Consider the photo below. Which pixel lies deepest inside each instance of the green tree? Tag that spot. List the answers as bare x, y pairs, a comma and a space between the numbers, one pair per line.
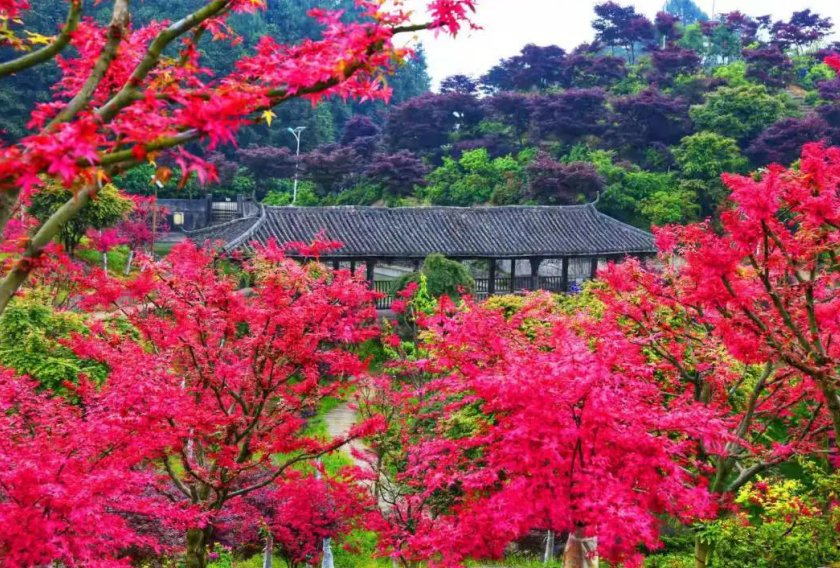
677, 205
735, 74
282, 190
694, 39
706, 155
105, 209
30, 343
444, 277
741, 112
702, 158
638, 194
473, 179
686, 10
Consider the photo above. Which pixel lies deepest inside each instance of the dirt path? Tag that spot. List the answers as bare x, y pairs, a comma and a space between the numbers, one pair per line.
339, 421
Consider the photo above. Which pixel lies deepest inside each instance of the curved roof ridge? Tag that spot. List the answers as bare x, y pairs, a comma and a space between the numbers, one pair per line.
212, 228
245, 237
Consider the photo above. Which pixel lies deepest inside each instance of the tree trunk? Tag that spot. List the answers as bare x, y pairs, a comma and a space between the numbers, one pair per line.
196, 556
268, 553
581, 552
129, 261
327, 560
549, 547
702, 552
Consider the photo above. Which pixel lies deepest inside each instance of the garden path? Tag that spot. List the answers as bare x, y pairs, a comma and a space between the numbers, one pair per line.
339, 421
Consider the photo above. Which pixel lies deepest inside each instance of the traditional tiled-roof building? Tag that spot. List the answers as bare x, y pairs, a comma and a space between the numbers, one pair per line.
577, 236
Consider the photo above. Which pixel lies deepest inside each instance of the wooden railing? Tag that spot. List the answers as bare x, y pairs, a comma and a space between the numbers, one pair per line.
502, 286
384, 287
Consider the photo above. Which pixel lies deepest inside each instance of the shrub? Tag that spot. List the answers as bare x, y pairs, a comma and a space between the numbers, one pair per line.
782, 523
30, 343
444, 277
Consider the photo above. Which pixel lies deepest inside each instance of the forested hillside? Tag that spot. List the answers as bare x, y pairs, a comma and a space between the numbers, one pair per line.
647, 115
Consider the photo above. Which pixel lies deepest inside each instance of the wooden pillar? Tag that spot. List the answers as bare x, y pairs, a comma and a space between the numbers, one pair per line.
535, 272
593, 267
336, 265
491, 273
416, 266
353, 267
370, 266
512, 275
565, 274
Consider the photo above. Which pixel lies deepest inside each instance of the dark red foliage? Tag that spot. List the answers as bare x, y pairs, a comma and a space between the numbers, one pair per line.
535, 67
514, 109
667, 26
832, 49
585, 71
460, 84
331, 168
553, 183
650, 117
831, 114
618, 26
782, 142
829, 90
675, 60
769, 65
572, 114
423, 124
803, 29
397, 173
359, 126
747, 28
268, 161
225, 168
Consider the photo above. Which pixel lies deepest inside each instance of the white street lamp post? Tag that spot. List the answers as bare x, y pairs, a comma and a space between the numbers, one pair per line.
296, 132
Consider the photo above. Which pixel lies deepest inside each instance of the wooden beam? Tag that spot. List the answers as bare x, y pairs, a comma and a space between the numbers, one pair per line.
491, 273
535, 272
513, 276
370, 267
565, 274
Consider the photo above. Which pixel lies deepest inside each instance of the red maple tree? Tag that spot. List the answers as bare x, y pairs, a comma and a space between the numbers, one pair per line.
514, 424
120, 100
746, 316
204, 404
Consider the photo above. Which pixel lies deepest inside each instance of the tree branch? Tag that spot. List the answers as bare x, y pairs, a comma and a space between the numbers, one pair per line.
45, 234
117, 29
8, 204
125, 96
49, 51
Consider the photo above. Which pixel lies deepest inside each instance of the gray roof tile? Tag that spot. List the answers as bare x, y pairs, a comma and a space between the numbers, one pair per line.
415, 232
